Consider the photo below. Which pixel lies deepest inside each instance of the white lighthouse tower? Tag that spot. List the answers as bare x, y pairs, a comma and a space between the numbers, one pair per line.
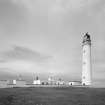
86, 60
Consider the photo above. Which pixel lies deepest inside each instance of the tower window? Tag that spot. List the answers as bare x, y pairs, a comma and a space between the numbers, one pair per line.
83, 77
84, 51
84, 63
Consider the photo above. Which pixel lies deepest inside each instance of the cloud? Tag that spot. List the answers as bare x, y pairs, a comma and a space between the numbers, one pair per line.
33, 5
23, 53
55, 5
48, 7
74, 5
49, 12
12, 18
20, 59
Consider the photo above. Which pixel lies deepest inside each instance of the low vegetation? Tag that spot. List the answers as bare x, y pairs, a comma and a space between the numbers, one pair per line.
52, 96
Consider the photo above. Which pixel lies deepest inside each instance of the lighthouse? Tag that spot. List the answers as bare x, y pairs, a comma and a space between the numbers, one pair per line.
86, 60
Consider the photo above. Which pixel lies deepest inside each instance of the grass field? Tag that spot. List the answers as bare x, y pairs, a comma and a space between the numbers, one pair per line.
52, 96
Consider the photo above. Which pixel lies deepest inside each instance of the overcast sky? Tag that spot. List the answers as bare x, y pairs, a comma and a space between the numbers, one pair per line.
45, 36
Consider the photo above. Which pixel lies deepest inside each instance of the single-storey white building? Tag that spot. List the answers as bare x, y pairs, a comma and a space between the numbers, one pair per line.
3, 83
37, 82
76, 83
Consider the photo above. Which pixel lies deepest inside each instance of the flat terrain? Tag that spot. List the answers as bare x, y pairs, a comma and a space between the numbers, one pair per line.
52, 96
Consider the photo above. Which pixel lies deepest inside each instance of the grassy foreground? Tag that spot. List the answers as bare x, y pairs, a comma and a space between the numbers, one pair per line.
52, 96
